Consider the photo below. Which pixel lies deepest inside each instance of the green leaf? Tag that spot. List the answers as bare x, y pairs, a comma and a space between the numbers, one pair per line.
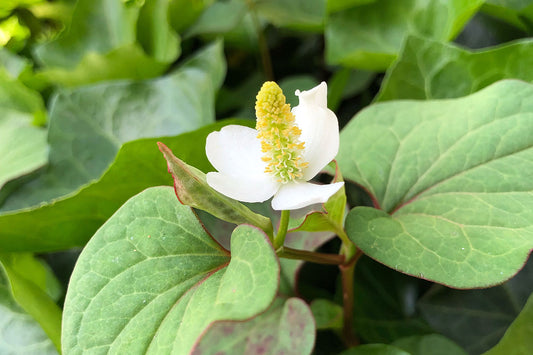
331, 217
71, 220
518, 339
20, 333
338, 5
290, 268
220, 17
451, 180
429, 69
516, 12
105, 40
154, 32
306, 15
192, 190
89, 124
16, 96
477, 319
374, 349
183, 13
347, 82
370, 36
245, 36
15, 33
97, 26
126, 62
9, 5
28, 279
23, 147
155, 280
285, 328
328, 315
384, 303
15, 67
13, 64
233, 21
434, 344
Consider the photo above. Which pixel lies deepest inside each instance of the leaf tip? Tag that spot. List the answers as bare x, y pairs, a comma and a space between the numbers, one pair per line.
162, 147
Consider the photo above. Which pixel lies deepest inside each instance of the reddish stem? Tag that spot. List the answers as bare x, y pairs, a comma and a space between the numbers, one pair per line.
347, 275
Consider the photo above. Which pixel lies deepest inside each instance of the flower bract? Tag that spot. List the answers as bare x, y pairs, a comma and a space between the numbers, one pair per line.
279, 157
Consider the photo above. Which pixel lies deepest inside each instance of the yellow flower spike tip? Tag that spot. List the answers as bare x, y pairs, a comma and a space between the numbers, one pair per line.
278, 158
280, 137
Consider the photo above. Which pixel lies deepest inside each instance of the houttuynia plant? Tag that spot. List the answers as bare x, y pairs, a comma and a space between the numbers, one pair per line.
329, 177
161, 269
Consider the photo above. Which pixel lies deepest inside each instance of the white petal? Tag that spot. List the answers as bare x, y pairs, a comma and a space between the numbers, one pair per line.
296, 195
320, 129
243, 188
235, 150
316, 96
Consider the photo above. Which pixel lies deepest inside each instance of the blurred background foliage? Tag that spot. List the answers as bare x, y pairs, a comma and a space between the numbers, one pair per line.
88, 86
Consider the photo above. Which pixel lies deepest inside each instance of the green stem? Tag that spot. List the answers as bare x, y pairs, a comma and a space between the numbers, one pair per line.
279, 239
314, 257
345, 240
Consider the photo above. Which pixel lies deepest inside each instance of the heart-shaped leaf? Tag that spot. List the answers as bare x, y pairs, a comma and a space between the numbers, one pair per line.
428, 69
154, 279
452, 182
285, 328
370, 36
89, 124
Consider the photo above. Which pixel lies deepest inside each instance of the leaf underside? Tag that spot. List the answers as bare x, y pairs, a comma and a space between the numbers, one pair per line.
286, 328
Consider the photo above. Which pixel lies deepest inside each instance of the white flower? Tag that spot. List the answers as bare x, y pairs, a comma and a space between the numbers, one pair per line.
282, 155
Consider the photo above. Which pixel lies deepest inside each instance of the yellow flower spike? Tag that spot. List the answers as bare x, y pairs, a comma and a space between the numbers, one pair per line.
279, 135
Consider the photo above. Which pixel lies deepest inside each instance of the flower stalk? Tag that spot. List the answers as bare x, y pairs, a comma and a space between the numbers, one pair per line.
279, 239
